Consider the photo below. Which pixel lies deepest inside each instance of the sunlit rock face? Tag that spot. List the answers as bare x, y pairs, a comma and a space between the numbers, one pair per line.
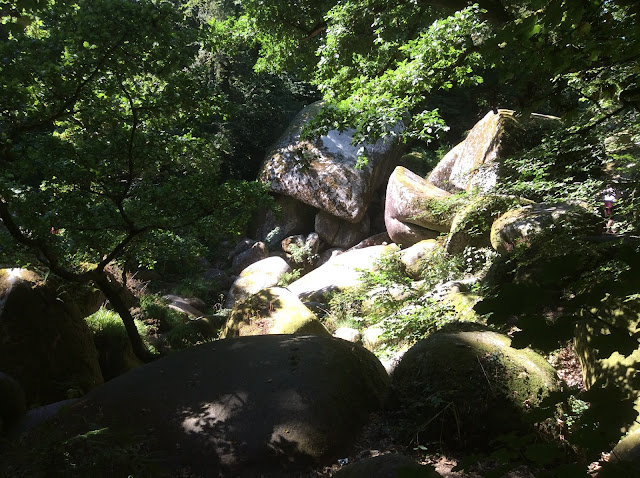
258, 276
323, 173
474, 163
412, 212
275, 310
244, 406
339, 273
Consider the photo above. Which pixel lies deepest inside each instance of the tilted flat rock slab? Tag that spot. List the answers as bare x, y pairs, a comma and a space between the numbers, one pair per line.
473, 163
409, 206
338, 273
323, 173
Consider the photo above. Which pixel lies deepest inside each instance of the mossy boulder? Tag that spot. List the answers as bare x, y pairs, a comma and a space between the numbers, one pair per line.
241, 407
624, 459
599, 365
461, 297
115, 353
322, 173
523, 224
387, 466
46, 344
412, 257
474, 164
471, 226
605, 343
272, 311
465, 385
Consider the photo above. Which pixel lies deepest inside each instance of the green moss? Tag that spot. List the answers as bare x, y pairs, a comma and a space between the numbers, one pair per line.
272, 311
468, 387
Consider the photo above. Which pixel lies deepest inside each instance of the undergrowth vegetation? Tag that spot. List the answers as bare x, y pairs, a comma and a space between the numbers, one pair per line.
405, 308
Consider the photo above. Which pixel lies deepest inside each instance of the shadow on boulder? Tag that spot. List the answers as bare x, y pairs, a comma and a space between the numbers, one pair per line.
236, 407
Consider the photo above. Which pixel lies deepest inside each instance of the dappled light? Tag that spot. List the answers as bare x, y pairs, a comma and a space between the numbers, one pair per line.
271, 239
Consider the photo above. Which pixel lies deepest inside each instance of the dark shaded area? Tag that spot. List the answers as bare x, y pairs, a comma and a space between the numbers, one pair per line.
232, 407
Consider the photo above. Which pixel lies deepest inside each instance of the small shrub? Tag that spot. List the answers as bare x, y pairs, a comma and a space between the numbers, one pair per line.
302, 254
289, 277
389, 298
108, 324
154, 307
186, 335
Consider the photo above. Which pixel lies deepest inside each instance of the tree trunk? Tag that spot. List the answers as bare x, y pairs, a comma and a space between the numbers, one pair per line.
113, 296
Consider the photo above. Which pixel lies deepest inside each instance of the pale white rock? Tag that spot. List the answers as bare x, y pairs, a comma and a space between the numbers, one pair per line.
259, 275
340, 272
323, 173
347, 333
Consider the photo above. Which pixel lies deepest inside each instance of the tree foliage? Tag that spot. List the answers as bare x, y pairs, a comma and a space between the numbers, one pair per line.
105, 136
376, 61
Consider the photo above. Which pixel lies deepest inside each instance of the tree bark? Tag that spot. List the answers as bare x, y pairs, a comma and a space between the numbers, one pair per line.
113, 296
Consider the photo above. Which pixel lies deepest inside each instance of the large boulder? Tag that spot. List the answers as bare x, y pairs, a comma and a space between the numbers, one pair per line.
466, 387
624, 459
474, 163
415, 210
616, 320
243, 407
337, 232
272, 311
46, 344
258, 276
523, 224
323, 173
340, 272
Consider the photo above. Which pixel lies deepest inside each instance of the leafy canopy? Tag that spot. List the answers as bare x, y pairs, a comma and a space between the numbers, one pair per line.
103, 133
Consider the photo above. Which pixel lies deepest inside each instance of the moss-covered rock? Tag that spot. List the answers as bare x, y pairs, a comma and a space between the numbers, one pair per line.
12, 401
46, 344
462, 300
525, 223
471, 226
466, 386
624, 459
413, 256
609, 355
272, 311
474, 163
